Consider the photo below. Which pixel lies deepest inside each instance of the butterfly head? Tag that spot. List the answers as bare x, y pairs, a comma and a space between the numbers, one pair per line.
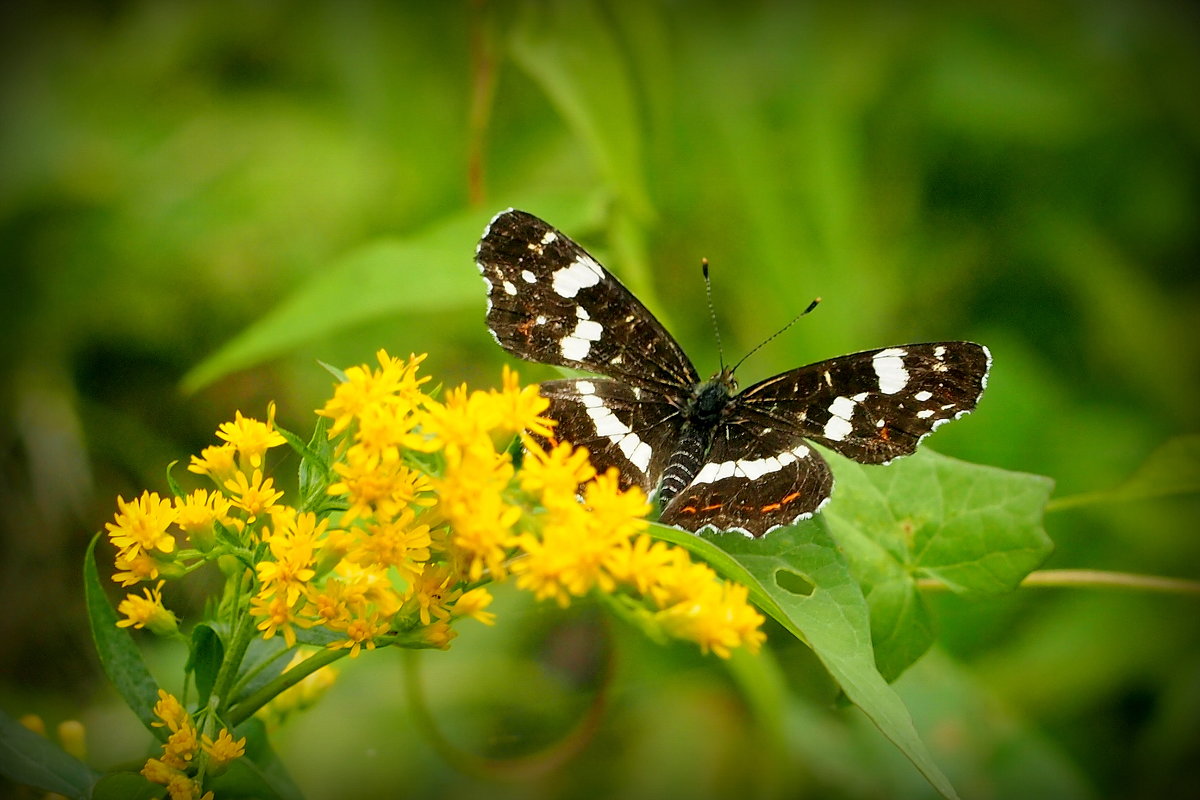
710, 398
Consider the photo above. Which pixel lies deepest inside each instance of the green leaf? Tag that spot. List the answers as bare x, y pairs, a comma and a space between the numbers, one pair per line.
976, 529
260, 774
315, 472
119, 655
429, 271
1172, 469
818, 601
32, 760
204, 660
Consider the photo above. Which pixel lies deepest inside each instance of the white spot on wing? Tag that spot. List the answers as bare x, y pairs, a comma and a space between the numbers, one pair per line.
578, 343
926, 414
922, 396
842, 407
579, 274
509, 288
528, 276
549, 237
889, 368
837, 429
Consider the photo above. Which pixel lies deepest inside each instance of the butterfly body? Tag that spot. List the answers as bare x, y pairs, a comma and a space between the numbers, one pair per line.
714, 457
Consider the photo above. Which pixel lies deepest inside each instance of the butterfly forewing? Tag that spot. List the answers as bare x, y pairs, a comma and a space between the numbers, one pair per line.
551, 302
876, 405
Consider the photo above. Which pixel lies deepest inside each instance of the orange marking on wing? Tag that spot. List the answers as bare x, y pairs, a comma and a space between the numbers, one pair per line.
789, 499
770, 507
713, 507
884, 433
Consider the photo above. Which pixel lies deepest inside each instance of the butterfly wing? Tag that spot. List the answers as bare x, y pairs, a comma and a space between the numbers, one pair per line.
621, 426
876, 405
754, 480
549, 301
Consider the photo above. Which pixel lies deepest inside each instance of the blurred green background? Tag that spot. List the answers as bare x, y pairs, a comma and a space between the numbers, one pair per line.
199, 201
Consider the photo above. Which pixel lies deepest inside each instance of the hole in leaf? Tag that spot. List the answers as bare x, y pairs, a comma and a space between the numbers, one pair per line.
794, 582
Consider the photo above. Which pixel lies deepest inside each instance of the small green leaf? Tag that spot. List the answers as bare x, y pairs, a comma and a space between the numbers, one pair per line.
119, 655
1172, 469
315, 472
32, 760
204, 660
832, 618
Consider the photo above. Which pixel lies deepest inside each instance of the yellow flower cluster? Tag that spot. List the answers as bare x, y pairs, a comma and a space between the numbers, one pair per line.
185, 754
422, 507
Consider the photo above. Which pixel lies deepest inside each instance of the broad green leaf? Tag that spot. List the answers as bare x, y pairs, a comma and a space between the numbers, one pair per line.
32, 760
119, 655
976, 529
809, 590
204, 660
429, 271
1173, 468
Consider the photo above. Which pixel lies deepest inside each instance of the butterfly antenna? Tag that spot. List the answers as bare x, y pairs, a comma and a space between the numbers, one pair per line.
816, 301
712, 313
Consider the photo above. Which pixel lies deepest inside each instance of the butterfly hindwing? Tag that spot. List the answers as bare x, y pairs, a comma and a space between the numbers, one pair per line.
551, 302
876, 405
620, 425
753, 480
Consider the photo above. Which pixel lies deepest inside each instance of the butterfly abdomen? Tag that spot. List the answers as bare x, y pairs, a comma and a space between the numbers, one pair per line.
684, 463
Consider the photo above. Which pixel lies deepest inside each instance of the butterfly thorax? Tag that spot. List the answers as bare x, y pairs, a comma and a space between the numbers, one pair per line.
704, 411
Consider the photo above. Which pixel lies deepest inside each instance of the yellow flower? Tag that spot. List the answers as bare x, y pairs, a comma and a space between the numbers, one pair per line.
218, 462
555, 474
222, 751
397, 543
395, 382
713, 613
473, 603
135, 568
250, 437
181, 747
141, 525
471, 498
377, 488
293, 543
170, 711
197, 512
277, 615
520, 409
147, 612
254, 495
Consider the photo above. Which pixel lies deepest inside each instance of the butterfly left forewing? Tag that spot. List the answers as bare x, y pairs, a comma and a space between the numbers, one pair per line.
876, 405
549, 301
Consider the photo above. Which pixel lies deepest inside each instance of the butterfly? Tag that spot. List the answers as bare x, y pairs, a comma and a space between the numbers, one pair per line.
712, 456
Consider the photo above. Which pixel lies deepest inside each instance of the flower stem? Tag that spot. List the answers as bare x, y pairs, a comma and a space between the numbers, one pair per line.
1092, 579
245, 709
